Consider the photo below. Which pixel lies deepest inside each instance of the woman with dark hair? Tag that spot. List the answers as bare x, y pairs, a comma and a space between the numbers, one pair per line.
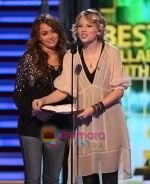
37, 69
102, 154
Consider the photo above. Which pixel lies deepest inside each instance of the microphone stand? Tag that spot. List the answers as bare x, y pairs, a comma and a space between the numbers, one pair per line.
73, 51
77, 72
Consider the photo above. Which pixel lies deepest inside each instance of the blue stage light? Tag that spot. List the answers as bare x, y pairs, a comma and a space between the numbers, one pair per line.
27, 3
11, 176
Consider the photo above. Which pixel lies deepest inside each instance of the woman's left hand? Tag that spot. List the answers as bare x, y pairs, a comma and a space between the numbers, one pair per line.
86, 112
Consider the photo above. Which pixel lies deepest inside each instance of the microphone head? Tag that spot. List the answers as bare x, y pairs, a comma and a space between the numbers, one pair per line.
79, 42
78, 69
73, 46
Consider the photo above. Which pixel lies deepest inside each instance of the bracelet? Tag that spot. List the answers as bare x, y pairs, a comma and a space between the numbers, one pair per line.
98, 108
101, 107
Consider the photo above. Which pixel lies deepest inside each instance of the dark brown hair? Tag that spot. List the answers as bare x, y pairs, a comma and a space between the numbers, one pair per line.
33, 45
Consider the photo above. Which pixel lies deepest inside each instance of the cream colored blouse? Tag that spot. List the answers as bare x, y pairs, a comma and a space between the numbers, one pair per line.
103, 140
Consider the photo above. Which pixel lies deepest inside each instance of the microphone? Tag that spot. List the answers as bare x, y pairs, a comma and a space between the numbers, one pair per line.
78, 69
73, 46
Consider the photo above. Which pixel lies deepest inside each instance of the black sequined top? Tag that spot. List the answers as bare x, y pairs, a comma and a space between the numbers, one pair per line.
30, 85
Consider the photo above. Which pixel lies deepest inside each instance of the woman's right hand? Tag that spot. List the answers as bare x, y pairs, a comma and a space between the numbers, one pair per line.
37, 104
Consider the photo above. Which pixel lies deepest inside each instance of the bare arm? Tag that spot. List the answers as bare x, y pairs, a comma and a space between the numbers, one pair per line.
109, 100
112, 97
54, 97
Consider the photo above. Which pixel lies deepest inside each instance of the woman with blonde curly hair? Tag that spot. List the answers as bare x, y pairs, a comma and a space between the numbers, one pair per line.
102, 154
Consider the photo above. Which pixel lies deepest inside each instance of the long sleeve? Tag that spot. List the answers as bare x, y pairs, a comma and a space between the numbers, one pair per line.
22, 97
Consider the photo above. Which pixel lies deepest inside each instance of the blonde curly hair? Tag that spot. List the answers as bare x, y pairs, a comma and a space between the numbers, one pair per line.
92, 16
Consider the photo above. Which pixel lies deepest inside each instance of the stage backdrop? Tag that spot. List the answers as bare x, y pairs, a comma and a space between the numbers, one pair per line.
129, 29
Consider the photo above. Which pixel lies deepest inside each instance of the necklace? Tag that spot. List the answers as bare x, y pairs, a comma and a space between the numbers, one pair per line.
93, 64
55, 67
